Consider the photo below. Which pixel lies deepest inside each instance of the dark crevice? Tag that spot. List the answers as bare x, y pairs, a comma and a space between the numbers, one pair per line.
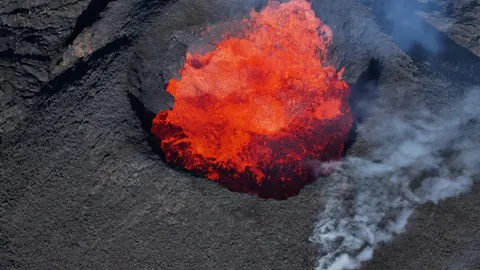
363, 91
425, 43
80, 69
34, 39
19, 11
144, 115
88, 17
146, 118
15, 57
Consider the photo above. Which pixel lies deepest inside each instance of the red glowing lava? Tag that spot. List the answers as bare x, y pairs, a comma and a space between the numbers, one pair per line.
253, 113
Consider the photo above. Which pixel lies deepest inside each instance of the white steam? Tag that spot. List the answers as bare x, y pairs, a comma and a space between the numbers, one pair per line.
419, 157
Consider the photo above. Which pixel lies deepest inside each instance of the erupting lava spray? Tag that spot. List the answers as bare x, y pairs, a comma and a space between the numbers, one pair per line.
257, 110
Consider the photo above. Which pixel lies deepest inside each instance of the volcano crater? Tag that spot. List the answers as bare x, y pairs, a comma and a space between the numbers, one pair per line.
152, 72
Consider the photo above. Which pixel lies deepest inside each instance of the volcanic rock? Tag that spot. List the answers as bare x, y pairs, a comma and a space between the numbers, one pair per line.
459, 20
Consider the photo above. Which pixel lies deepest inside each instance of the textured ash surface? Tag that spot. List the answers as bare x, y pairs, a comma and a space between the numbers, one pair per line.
459, 19
81, 186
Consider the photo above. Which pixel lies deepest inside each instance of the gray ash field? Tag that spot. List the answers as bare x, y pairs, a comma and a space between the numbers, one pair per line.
83, 184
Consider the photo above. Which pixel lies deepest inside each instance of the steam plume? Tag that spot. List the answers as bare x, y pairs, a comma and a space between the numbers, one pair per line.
418, 157
400, 18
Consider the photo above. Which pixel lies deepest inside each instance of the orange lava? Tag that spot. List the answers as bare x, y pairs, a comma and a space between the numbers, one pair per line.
256, 111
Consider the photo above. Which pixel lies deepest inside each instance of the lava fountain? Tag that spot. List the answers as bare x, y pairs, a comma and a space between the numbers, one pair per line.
255, 113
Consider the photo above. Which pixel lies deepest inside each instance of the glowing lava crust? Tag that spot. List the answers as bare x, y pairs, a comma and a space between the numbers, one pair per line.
254, 113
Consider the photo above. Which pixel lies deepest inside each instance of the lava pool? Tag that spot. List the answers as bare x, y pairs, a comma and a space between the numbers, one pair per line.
259, 110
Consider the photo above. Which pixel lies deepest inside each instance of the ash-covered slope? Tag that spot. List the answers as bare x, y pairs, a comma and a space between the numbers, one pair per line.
82, 184
459, 20
31, 35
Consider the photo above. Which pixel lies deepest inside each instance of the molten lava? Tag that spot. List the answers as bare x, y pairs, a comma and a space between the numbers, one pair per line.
257, 110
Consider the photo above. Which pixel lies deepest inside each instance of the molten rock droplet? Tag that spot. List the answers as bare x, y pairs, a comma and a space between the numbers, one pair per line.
253, 113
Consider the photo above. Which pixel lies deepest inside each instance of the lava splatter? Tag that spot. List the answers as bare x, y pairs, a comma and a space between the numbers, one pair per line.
255, 113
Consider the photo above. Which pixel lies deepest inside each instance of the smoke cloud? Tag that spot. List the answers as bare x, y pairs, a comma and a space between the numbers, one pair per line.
401, 20
418, 157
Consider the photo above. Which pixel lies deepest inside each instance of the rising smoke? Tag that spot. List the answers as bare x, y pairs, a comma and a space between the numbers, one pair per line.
400, 20
420, 157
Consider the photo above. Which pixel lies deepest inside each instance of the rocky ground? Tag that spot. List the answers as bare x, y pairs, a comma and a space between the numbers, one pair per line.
459, 20
83, 185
